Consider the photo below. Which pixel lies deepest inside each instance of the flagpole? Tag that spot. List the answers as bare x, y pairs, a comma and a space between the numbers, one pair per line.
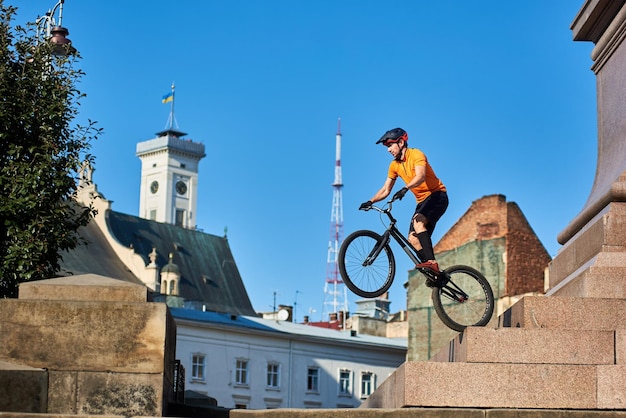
172, 108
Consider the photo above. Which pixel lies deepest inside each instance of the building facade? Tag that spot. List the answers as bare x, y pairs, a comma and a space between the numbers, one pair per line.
254, 363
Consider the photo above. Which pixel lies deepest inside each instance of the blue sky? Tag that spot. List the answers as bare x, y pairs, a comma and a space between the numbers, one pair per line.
496, 93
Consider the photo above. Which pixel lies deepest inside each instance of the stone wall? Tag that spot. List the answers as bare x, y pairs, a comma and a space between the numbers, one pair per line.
105, 349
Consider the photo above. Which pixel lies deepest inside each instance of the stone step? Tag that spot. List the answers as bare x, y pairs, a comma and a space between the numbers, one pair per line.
572, 313
530, 346
593, 282
491, 385
23, 388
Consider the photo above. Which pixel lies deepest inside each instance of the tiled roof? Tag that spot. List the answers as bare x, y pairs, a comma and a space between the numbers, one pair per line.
95, 257
209, 274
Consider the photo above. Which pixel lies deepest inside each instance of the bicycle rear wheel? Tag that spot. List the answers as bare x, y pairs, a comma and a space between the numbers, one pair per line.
465, 300
363, 274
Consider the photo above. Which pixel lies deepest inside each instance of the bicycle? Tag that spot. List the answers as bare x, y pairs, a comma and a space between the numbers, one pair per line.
461, 295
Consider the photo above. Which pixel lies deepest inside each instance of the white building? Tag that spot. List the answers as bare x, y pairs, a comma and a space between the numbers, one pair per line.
254, 363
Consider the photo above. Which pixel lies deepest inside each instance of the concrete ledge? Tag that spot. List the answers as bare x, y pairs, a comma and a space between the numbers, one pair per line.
96, 336
568, 313
84, 287
530, 346
545, 386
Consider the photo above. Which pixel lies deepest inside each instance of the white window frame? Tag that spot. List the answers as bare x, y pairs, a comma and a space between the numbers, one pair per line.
273, 375
198, 369
313, 379
242, 372
368, 386
344, 380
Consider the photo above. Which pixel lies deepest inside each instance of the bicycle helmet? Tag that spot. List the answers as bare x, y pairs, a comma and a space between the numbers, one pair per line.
392, 136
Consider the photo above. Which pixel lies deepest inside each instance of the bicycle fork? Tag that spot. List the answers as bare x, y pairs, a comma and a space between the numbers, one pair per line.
384, 240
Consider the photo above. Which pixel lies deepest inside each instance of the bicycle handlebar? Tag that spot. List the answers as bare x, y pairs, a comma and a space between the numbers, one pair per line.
379, 209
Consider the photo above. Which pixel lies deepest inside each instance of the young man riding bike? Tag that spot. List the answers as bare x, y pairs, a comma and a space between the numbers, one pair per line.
412, 166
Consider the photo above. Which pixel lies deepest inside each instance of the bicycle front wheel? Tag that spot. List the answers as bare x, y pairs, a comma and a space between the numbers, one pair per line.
366, 269
465, 300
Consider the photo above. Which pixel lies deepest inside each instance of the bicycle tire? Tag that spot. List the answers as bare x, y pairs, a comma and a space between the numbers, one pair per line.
475, 311
366, 281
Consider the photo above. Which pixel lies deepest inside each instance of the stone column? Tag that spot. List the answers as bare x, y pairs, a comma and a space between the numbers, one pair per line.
592, 261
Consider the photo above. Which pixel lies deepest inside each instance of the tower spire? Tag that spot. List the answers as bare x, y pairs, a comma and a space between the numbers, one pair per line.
335, 293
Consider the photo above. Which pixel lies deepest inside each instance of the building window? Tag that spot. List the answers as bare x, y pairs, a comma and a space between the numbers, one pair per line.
197, 366
273, 375
153, 215
313, 379
368, 382
180, 217
241, 372
345, 387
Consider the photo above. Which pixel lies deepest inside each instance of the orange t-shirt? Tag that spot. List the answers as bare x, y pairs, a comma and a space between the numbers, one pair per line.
406, 170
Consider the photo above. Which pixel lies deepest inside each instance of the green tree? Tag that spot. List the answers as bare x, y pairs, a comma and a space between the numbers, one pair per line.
41, 152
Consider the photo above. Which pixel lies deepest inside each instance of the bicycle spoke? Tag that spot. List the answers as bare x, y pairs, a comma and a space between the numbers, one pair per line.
363, 275
465, 300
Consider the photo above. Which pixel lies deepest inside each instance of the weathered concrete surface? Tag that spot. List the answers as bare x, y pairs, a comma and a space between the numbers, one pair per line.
105, 348
22, 388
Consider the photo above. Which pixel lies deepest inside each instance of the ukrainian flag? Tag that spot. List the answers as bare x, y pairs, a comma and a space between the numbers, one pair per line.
169, 97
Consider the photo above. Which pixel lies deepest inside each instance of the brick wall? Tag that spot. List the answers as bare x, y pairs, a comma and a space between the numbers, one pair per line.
485, 219
492, 217
527, 258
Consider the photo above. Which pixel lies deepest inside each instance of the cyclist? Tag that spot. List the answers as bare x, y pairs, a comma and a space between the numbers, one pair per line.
412, 166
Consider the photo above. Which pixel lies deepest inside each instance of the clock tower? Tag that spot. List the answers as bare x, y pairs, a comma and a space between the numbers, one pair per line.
169, 178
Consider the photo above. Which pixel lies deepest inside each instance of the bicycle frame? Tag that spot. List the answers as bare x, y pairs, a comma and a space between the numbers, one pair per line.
453, 292
392, 231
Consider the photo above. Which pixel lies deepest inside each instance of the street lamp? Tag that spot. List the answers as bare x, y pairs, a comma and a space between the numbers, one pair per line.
53, 31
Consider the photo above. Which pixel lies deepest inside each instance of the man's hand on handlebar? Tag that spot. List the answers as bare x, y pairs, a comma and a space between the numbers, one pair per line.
400, 193
366, 205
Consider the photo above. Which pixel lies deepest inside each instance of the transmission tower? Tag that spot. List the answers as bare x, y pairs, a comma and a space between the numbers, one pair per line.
335, 293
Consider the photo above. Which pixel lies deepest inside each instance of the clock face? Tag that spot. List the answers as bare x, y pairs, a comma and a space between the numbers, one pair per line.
154, 186
181, 187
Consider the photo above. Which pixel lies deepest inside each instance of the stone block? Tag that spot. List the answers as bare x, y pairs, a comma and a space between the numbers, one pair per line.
62, 392
599, 243
594, 282
137, 394
433, 384
568, 313
96, 336
611, 384
22, 388
530, 346
85, 287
